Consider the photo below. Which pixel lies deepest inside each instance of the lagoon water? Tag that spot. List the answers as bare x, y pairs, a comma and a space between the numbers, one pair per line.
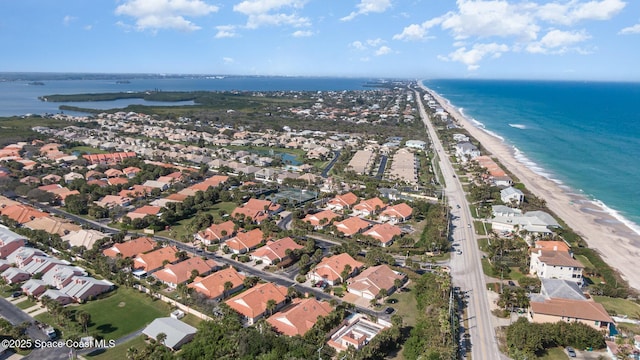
584, 135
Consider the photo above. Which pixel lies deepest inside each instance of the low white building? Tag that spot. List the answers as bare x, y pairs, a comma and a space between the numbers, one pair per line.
511, 195
416, 144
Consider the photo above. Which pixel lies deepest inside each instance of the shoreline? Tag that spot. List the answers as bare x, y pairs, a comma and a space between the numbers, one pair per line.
616, 242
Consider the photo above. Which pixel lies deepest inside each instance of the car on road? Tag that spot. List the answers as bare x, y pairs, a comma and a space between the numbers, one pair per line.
469, 226
457, 206
389, 310
570, 351
459, 252
511, 283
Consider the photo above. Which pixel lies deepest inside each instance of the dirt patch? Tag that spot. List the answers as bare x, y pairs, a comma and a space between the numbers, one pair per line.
122, 304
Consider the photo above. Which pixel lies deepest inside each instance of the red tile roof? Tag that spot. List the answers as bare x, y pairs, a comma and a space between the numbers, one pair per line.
315, 219
383, 232
345, 200
181, 272
401, 211
374, 279
330, 268
245, 241
212, 286
370, 205
575, 309
215, 231
253, 302
22, 213
300, 317
277, 250
351, 225
130, 248
155, 259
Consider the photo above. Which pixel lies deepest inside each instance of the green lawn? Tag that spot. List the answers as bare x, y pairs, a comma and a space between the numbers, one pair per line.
479, 226
123, 312
583, 259
87, 150
556, 353
25, 304
406, 305
618, 306
179, 230
120, 351
192, 320
486, 267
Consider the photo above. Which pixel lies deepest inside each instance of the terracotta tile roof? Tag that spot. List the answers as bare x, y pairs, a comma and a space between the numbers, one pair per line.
50, 187
22, 213
181, 272
177, 197
277, 250
383, 232
401, 210
352, 225
345, 200
117, 181
113, 200
113, 158
130, 248
246, 241
215, 231
257, 210
212, 286
155, 259
100, 183
300, 317
253, 302
552, 245
131, 170
374, 279
113, 173
330, 268
52, 225
370, 205
314, 219
136, 191
575, 309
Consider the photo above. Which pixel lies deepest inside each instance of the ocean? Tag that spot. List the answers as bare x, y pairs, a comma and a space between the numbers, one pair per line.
19, 97
585, 136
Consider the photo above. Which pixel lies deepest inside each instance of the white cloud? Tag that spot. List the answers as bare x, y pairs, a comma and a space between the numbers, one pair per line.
358, 45
368, 6
574, 11
557, 41
417, 31
269, 12
375, 42
88, 27
165, 14
68, 19
471, 57
227, 60
301, 33
226, 31
635, 29
383, 50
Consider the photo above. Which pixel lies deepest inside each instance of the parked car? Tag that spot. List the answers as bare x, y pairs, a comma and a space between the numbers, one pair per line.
389, 310
459, 252
16, 294
570, 351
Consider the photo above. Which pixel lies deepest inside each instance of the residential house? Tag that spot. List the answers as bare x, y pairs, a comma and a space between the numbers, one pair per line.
154, 260
22, 256
253, 304
136, 191
162, 186
352, 225
245, 241
332, 269
53, 225
15, 275
146, 210
257, 210
396, 213
587, 312
70, 177
466, 151
33, 287
84, 238
217, 233
117, 181
356, 331
61, 274
511, 195
10, 242
40, 264
113, 173
385, 233
58, 296
371, 281
130, 248
110, 201
321, 219
177, 333
82, 288
300, 317
22, 213
368, 207
341, 202
553, 260
533, 222
213, 286
275, 251
131, 171
181, 272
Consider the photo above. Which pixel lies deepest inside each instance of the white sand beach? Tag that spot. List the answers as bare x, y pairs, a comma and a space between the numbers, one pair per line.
618, 245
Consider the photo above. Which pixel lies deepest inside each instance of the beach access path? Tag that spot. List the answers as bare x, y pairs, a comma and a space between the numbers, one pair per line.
616, 242
466, 268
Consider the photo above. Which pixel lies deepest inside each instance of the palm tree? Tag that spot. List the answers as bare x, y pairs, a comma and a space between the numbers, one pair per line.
161, 338
84, 318
271, 305
132, 353
228, 285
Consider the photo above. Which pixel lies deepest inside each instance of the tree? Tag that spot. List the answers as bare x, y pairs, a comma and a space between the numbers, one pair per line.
132, 353
228, 285
161, 338
84, 318
271, 305
345, 272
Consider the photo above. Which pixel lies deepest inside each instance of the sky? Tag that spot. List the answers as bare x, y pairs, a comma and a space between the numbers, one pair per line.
497, 39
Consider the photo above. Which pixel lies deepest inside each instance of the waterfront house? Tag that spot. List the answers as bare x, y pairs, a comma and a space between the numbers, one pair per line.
553, 260
511, 195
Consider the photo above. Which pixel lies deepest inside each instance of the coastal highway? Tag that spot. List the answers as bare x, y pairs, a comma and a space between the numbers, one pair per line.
466, 269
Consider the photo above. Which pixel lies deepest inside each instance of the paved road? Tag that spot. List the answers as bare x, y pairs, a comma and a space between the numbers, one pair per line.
325, 172
466, 269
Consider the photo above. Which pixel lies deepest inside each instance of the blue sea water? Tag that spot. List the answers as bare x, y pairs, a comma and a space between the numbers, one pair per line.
585, 135
20, 98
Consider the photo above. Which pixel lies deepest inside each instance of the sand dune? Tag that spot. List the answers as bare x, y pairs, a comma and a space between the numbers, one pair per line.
616, 242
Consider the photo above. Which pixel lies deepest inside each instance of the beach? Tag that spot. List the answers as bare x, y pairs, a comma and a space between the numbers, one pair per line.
615, 241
